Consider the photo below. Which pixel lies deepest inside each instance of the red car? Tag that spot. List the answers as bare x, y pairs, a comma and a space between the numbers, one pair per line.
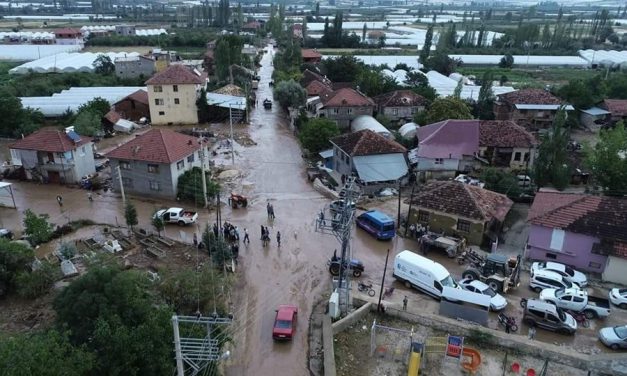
285, 323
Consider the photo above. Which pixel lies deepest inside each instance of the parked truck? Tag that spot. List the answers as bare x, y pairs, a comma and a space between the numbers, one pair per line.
177, 215
577, 300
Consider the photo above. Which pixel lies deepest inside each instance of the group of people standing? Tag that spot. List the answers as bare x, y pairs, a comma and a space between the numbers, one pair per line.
265, 236
270, 210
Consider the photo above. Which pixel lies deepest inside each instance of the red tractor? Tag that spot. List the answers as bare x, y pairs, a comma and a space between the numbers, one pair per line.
236, 201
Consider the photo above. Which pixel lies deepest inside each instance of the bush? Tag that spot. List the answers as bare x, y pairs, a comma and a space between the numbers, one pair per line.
67, 250
15, 258
37, 227
316, 133
34, 284
189, 186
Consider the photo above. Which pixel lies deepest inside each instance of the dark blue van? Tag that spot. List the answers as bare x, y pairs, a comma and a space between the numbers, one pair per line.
377, 224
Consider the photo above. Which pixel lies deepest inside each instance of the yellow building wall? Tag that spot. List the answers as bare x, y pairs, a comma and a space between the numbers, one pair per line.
185, 112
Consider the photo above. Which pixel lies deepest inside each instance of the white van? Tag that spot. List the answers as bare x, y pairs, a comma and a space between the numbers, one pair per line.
422, 273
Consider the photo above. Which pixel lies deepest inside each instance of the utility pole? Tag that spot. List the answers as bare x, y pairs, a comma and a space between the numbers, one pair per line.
202, 168
385, 269
411, 197
121, 184
231, 123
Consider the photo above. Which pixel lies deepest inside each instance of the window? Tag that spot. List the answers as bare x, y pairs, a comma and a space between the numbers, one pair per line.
537, 313
159, 101
154, 185
557, 239
180, 164
439, 161
127, 182
175, 88
335, 111
161, 113
176, 101
437, 285
595, 265
133, 105
551, 318
190, 158
158, 89
349, 111
578, 299
423, 216
395, 111
517, 156
153, 168
463, 226
124, 165
551, 256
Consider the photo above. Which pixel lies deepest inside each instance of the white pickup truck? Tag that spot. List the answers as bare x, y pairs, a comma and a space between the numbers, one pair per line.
577, 300
177, 215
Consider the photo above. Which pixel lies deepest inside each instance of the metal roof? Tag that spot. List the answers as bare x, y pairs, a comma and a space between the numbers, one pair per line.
595, 111
226, 101
381, 167
543, 107
326, 153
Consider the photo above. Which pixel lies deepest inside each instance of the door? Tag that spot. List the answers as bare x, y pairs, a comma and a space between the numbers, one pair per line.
51, 157
54, 177
166, 217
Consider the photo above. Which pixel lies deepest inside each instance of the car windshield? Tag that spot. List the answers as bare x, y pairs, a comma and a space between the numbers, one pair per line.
567, 283
569, 271
489, 292
559, 293
283, 324
449, 282
561, 314
621, 331
622, 291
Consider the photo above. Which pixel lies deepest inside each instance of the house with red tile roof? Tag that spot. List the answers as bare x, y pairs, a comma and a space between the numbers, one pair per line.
617, 109
311, 56
531, 108
377, 162
460, 210
69, 35
400, 106
55, 156
588, 233
172, 95
344, 105
318, 88
151, 163
503, 143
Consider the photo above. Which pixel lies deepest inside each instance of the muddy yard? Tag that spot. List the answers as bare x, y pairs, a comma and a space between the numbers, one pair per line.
353, 356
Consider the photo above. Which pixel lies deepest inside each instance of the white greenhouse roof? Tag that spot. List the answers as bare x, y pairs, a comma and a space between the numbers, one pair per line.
601, 57
446, 86
380, 167
73, 98
572, 61
408, 130
362, 122
28, 52
226, 101
543, 107
67, 62
26, 35
390, 60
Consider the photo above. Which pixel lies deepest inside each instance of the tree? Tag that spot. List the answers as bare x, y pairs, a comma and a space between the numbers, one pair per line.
130, 215
290, 94
507, 61
157, 223
316, 133
45, 353
373, 83
16, 120
485, 101
98, 105
500, 181
189, 186
220, 252
416, 78
584, 94
342, 68
88, 123
364, 31
608, 160
15, 258
551, 164
33, 284
447, 108
103, 65
426, 48
37, 227
441, 63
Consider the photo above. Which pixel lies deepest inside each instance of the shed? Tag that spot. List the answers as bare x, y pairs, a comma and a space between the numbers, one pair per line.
362, 122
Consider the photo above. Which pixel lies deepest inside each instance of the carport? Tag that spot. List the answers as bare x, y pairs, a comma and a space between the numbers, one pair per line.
6, 192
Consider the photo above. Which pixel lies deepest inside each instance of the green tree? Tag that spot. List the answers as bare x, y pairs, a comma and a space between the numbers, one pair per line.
103, 65
373, 83
485, 101
189, 186
608, 160
33, 284
583, 94
228, 52
47, 353
426, 48
220, 252
37, 227
342, 68
130, 215
551, 164
290, 94
447, 108
15, 258
442, 63
157, 223
88, 123
15, 119
500, 181
507, 61
316, 133
98, 105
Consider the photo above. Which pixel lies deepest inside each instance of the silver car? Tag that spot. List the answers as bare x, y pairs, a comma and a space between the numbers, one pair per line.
614, 337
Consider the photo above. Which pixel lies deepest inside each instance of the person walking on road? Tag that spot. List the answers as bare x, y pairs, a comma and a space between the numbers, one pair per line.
60, 200
89, 197
246, 239
263, 232
278, 238
532, 332
268, 206
405, 303
272, 212
508, 326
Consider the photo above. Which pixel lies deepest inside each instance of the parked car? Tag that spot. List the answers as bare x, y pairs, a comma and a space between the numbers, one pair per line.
578, 301
422, 273
497, 301
546, 279
614, 337
5, 233
285, 322
377, 224
618, 297
567, 272
547, 316
177, 215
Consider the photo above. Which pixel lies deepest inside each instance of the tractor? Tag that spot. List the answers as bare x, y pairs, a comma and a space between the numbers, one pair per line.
497, 271
237, 201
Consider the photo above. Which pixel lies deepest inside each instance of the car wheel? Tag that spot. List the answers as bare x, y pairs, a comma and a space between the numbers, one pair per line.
356, 273
181, 223
623, 305
408, 284
470, 275
334, 270
590, 314
537, 289
614, 346
495, 285
562, 331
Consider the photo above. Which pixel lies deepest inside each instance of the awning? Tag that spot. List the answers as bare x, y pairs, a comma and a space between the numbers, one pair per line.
226, 101
326, 153
543, 107
384, 167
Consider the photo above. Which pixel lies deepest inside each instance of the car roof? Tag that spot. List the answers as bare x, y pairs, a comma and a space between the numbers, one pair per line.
439, 271
286, 312
379, 216
499, 258
540, 304
555, 265
548, 274
476, 283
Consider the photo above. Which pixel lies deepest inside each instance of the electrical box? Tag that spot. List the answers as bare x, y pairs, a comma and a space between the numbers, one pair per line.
334, 305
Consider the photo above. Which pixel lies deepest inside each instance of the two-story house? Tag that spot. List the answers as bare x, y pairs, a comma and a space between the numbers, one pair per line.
69, 35
400, 106
460, 210
172, 95
377, 161
133, 107
447, 147
344, 105
134, 66
531, 108
506, 144
311, 56
151, 163
54, 156
586, 232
